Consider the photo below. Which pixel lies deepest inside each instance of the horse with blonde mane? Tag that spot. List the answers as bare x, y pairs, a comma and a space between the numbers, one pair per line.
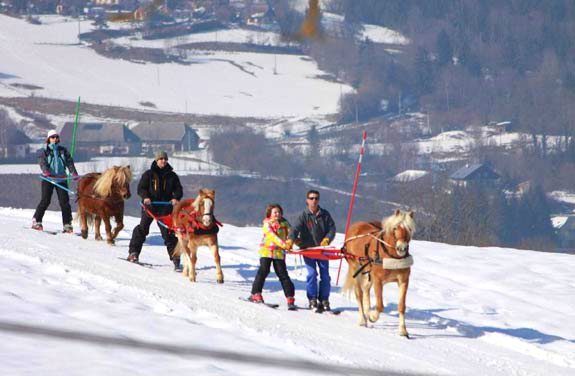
378, 253
100, 197
196, 226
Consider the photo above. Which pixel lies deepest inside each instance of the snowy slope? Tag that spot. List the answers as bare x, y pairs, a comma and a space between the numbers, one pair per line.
234, 84
471, 311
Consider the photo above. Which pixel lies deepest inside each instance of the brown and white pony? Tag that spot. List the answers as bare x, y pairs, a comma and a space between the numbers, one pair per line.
379, 254
196, 226
100, 197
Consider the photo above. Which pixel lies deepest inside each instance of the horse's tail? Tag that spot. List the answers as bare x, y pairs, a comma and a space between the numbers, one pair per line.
179, 250
348, 285
89, 218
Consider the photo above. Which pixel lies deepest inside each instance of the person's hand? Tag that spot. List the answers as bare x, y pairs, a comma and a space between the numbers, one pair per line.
289, 245
46, 173
324, 242
75, 176
174, 202
147, 201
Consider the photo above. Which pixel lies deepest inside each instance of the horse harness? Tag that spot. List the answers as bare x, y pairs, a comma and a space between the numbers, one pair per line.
193, 225
366, 260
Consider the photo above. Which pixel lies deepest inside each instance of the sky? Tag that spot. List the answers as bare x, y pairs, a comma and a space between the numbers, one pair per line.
73, 306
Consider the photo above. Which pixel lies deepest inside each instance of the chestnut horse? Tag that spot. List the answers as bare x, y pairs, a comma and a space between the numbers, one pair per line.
196, 226
101, 196
379, 254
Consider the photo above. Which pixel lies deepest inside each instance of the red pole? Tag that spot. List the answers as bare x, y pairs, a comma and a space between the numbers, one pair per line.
352, 199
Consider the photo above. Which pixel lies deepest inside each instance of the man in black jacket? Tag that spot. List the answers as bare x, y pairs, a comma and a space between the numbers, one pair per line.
159, 183
315, 227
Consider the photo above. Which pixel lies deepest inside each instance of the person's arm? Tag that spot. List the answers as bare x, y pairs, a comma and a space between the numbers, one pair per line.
296, 230
144, 186
178, 190
330, 234
43, 162
69, 162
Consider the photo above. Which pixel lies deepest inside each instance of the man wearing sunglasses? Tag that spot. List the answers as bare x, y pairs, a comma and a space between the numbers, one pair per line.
53, 160
312, 228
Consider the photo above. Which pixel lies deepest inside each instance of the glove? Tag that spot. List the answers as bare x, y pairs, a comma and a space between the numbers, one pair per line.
75, 176
46, 173
147, 201
324, 242
289, 245
174, 202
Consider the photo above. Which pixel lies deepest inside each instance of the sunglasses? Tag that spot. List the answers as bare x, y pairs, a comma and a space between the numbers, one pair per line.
313, 198
54, 136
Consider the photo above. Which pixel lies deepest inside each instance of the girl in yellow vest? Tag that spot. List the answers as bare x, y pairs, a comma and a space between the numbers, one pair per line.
272, 250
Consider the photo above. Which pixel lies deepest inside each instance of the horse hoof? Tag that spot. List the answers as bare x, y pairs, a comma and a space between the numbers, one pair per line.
84, 234
221, 280
404, 335
98, 238
110, 241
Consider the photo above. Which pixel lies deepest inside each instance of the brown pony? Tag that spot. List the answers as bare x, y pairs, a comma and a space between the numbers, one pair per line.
101, 196
196, 226
379, 254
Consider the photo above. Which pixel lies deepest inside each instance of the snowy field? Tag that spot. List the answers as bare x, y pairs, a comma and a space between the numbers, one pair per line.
72, 306
233, 84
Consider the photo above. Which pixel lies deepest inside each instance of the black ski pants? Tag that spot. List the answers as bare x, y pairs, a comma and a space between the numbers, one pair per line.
280, 268
143, 229
63, 199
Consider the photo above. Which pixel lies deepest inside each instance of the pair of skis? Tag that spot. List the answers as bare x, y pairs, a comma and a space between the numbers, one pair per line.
274, 306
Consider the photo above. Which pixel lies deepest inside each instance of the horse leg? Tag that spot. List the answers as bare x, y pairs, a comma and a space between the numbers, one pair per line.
366, 303
359, 297
219, 273
194, 257
119, 218
378, 289
97, 222
403, 283
83, 222
108, 227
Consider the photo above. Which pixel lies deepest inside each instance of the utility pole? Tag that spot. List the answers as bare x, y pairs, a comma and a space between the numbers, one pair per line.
79, 31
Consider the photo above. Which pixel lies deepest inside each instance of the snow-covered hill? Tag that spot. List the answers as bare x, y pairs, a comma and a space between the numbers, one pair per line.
471, 311
223, 83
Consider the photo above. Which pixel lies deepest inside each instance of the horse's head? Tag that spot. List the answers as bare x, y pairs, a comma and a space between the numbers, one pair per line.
204, 205
399, 229
114, 182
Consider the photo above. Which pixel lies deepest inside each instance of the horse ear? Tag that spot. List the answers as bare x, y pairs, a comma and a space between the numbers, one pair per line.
128, 167
397, 212
411, 213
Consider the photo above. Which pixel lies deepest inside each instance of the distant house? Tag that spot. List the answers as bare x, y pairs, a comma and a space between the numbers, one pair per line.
13, 144
409, 176
170, 137
103, 138
475, 173
565, 230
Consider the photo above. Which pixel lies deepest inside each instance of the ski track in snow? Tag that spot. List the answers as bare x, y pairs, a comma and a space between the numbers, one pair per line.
106, 295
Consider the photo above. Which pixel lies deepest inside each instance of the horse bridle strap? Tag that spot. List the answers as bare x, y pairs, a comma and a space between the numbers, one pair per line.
380, 240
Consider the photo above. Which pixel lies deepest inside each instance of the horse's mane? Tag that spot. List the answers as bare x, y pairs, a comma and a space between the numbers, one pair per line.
120, 175
204, 193
396, 219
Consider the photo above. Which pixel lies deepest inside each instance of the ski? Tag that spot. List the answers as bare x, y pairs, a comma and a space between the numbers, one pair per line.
334, 312
142, 264
270, 305
44, 231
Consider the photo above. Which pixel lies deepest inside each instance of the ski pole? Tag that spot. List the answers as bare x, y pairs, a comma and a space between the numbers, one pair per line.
57, 185
352, 199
